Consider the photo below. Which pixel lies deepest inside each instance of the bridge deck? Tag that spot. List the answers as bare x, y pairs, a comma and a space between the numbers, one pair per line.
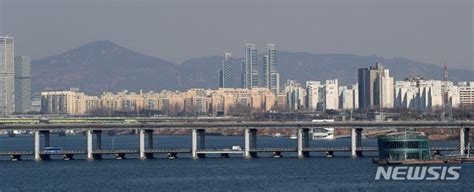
240, 124
169, 150
219, 151
209, 151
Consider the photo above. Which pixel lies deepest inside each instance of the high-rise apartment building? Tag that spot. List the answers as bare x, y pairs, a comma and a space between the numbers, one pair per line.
271, 77
466, 95
22, 84
331, 95
70, 102
420, 94
322, 96
375, 88
7, 75
313, 89
249, 68
295, 95
348, 97
225, 74
192, 101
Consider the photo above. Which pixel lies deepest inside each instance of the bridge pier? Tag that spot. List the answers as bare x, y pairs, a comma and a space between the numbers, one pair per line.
225, 155
68, 157
198, 136
329, 154
250, 136
120, 156
464, 140
356, 141
98, 143
37, 137
172, 155
303, 142
276, 154
146, 134
15, 157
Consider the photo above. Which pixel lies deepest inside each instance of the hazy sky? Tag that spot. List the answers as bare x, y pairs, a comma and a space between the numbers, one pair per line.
425, 30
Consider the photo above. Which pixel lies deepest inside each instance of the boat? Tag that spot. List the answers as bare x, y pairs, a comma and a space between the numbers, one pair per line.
322, 133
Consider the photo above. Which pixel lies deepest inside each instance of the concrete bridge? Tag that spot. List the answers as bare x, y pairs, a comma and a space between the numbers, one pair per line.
250, 128
241, 124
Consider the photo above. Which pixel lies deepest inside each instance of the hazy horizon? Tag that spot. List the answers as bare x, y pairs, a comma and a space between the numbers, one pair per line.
421, 30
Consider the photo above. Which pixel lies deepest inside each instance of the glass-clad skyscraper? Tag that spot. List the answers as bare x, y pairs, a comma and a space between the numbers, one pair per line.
271, 77
7, 75
22, 84
250, 70
225, 74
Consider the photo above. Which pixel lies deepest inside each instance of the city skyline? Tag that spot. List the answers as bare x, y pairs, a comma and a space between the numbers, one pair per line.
168, 95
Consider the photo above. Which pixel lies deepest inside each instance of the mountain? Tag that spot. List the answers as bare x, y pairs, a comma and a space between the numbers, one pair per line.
105, 66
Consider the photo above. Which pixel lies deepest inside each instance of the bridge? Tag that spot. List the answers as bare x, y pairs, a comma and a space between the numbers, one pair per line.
173, 152
250, 128
239, 124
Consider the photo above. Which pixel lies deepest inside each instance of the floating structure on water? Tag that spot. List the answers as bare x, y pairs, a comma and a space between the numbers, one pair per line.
411, 147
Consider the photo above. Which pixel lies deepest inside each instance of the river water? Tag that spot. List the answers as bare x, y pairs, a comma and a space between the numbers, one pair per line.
264, 173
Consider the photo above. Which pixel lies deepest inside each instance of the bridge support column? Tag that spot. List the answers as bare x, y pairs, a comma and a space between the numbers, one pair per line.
98, 144
37, 145
356, 141
250, 143
146, 134
37, 137
303, 142
464, 140
198, 136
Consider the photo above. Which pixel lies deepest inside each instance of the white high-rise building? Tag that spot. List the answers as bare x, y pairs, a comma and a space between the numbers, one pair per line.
454, 95
271, 77
322, 96
295, 95
250, 68
385, 98
348, 97
420, 94
375, 88
405, 94
312, 95
7, 75
331, 95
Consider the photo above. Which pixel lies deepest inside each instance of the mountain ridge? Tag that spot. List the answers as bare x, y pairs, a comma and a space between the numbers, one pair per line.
105, 66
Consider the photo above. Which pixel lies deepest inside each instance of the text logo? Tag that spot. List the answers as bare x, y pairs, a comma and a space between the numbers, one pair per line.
418, 173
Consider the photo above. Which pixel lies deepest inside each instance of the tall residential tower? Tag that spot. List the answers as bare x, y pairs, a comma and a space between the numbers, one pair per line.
22, 84
376, 88
271, 77
7, 75
225, 74
249, 68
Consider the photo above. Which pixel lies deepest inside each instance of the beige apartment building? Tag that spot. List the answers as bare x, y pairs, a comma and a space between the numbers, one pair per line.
466, 95
67, 102
192, 101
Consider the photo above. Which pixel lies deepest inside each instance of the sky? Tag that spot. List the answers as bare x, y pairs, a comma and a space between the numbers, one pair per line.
431, 31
